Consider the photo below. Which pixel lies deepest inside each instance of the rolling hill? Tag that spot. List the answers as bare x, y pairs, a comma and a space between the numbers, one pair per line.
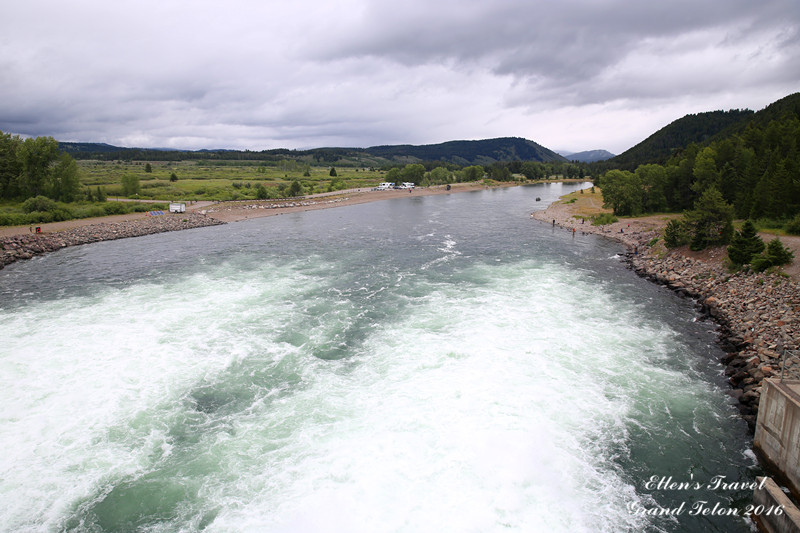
481, 152
694, 128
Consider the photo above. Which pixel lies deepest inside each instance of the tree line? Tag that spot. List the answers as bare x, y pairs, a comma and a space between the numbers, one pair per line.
753, 174
35, 167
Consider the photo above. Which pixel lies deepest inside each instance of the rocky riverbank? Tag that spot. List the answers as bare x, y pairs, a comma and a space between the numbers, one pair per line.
758, 314
18, 247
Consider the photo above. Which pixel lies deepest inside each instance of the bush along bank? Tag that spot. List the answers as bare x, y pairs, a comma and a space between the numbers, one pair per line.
26, 246
758, 315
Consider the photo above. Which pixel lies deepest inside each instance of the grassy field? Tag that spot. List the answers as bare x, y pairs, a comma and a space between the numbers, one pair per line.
165, 181
183, 181
218, 180
588, 202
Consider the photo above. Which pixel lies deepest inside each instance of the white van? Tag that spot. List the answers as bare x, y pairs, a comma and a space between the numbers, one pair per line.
384, 186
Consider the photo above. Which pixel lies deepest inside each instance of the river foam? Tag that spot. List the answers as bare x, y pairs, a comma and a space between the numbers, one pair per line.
443, 383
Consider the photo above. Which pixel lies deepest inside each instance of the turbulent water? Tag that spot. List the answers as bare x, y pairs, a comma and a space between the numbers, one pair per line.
439, 363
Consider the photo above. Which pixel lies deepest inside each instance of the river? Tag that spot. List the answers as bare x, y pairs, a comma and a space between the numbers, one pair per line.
440, 363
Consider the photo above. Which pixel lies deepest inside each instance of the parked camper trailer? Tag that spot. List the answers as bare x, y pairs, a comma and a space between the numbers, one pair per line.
177, 207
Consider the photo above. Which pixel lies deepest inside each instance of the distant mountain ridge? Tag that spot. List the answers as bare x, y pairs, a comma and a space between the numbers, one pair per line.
588, 156
481, 152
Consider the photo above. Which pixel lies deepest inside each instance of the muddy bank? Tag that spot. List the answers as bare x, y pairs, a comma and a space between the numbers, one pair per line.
24, 246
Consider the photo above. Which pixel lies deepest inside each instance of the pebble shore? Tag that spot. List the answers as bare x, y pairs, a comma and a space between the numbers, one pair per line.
758, 314
25, 246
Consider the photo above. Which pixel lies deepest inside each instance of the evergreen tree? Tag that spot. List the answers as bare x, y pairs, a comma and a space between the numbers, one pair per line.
295, 189
774, 255
705, 171
676, 233
745, 244
711, 221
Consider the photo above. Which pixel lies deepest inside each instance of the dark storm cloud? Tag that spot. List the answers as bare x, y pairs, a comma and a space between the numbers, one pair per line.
572, 42
251, 74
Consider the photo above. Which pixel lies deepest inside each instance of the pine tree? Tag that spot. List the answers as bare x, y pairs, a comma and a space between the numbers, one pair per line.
745, 244
774, 255
711, 220
676, 234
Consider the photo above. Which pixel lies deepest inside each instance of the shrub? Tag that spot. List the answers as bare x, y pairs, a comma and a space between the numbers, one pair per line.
793, 226
40, 216
14, 219
774, 255
603, 219
61, 213
94, 211
114, 208
676, 233
38, 203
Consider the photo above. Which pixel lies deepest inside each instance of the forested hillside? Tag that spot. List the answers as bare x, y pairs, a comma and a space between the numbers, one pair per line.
660, 146
484, 152
462, 153
753, 167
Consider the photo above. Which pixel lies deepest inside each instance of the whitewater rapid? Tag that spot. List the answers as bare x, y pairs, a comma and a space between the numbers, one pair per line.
430, 365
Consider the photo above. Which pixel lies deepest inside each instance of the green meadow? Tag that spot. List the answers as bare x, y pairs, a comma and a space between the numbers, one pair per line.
217, 180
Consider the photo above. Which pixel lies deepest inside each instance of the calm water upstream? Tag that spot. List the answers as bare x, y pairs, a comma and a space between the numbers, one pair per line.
428, 364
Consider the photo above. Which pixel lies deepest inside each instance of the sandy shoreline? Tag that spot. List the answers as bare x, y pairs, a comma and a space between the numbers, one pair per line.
629, 232
242, 210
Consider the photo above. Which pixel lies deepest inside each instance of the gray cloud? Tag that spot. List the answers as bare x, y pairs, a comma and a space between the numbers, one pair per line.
577, 74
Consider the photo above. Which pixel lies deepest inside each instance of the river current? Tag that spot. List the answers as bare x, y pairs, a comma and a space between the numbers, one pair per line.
440, 363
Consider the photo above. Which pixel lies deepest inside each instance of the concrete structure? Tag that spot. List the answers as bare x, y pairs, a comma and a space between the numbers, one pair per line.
777, 438
773, 512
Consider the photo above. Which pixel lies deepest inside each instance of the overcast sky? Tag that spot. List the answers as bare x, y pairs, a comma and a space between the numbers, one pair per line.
569, 74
